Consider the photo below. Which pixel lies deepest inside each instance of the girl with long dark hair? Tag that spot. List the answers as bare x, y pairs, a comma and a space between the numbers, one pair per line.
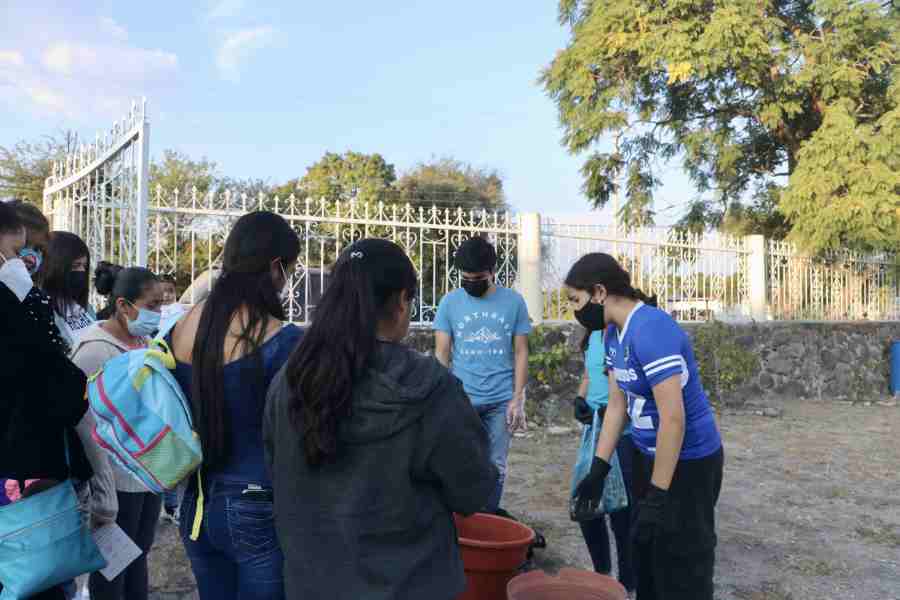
134, 301
372, 446
64, 276
653, 378
228, 348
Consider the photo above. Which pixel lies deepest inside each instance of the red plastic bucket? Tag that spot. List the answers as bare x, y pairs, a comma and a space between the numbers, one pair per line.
571, 584
493, 550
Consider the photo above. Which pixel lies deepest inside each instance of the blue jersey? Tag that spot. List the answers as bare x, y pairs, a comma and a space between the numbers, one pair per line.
650, 349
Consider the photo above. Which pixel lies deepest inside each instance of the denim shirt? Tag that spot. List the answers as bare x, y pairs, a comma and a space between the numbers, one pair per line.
244, 402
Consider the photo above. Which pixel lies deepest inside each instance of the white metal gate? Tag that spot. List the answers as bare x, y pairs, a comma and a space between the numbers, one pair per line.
99, 191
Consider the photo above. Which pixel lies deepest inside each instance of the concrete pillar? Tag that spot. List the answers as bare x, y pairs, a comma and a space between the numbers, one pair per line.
530, 266
757, 284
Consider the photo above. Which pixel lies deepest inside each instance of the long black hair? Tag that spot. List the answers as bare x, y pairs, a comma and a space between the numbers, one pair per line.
341, 343
10, 221
62, 252
256, 240
596, 269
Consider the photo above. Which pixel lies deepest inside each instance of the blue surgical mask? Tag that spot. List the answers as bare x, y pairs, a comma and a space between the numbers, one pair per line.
36, 256
146, 324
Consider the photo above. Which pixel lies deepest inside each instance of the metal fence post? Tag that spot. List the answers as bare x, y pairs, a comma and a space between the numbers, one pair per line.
757, 284
529, 250
143, 177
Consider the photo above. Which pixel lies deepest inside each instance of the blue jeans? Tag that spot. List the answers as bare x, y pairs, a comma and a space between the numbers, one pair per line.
493, 416
237, 555
596, 536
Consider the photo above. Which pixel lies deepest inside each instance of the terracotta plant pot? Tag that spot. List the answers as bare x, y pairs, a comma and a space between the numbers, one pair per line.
571, 584
493, 550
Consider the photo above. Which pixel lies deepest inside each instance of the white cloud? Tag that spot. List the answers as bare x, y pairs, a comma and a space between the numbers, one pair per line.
12, 58
237, 47
109, 26
85, 78
108, 62
225, 8
47, 98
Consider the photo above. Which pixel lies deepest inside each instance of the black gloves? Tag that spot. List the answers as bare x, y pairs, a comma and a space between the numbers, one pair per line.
589, 492
583, 412
651, 512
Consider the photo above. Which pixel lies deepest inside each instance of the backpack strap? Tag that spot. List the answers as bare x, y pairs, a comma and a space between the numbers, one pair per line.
198, 512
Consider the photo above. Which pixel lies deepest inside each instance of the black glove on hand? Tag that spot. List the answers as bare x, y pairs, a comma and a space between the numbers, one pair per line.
651, 512
583, 412
589, 492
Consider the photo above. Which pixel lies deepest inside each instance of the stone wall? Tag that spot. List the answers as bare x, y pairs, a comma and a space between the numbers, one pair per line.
825, 361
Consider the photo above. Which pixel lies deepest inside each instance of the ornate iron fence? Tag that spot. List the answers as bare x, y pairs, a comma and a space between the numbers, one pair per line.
695, 277
187, 235
99, 191
837, 286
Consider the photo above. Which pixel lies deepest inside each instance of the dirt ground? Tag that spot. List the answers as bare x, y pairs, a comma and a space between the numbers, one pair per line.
810, 507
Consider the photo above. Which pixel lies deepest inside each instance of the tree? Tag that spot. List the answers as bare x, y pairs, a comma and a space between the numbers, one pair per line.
175, 171
348, 176
25, 167
450, 182
737, 89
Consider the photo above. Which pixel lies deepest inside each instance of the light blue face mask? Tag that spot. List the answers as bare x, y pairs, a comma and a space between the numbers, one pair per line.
36, 256
146, 324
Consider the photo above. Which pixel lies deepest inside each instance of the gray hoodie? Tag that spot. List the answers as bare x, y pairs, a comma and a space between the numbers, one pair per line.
377, 523
93, 348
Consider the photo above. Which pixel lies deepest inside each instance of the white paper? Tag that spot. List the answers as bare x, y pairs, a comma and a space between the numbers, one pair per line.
117, 548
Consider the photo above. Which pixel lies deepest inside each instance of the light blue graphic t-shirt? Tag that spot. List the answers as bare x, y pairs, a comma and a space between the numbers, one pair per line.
598, 382
483, 331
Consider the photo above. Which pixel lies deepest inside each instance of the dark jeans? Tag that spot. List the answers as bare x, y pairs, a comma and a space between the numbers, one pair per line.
237, 556
596, 535
138, 516
679, 562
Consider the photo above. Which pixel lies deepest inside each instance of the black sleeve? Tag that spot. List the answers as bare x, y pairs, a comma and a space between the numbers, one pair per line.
45, 379
459, 458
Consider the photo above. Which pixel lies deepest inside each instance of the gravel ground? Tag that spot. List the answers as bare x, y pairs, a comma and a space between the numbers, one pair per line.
810, 508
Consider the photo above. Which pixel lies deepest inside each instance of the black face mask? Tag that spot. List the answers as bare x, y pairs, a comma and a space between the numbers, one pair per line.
476, 288
591, 316
77, 282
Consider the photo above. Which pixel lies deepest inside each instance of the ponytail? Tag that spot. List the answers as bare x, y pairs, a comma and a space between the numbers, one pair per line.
598, 268
340, 345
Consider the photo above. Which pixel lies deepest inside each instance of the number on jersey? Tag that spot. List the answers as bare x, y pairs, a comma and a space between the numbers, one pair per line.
636, 407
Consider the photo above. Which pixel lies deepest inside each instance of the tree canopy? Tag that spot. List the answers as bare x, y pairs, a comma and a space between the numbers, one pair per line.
752, 96
25, 167
447, 181
348, 176
176, 171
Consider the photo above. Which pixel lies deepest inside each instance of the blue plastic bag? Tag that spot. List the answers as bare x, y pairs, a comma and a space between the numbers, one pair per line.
615, 496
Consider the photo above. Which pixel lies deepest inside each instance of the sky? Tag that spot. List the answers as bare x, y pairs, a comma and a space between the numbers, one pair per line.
265, 88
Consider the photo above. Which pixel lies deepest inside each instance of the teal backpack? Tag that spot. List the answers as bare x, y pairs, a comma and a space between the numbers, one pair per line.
143, 419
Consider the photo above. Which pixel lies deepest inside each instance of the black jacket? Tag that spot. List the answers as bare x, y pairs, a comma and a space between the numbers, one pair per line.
377, 523
42, 396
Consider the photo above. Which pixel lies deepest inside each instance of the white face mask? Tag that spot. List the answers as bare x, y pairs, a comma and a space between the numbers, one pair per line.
285, 292
14, 274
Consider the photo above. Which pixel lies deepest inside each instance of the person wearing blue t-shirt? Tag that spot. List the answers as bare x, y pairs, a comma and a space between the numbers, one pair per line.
481, 333
593, 396
678, 463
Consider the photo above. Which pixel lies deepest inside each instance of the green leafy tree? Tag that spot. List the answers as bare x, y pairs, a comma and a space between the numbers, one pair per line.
450, 182
343, 177
737, 89
176, 171
25, 166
